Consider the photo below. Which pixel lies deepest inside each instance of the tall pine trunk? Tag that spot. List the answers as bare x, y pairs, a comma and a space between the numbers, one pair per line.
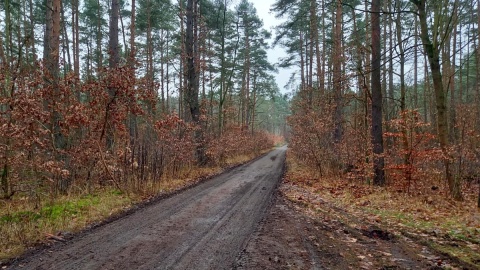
112, 64
337, 73
191, 78
377, 134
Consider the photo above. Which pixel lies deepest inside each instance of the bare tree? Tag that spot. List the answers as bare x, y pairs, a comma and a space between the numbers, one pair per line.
432, 50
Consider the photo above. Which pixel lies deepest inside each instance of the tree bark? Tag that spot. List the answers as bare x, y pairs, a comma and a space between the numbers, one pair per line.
32, 31
52, 55
477, 96
191, 75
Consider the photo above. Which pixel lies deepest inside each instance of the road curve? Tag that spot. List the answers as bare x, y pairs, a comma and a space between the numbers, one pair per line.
204, 227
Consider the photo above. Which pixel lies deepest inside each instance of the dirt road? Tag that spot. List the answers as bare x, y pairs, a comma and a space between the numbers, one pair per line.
204, 227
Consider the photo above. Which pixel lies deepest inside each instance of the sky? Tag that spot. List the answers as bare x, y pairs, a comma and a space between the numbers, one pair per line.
269, 21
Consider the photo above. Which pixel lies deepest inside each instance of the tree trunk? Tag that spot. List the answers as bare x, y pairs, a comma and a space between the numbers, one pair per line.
132, 125
182, 67
477, 96
99, 38
244, 91
392, 112
337, 73
254, 102
302, 65
112, 64
377, 134
324, 51
150, 70
162, 72
32, 31
223, 85
386, 101
451, 85
168, 72
415, 67
191, 75
426, 89
316, 40
52, 54
66, 43
47, 33
477, 53
460, 68
76, 40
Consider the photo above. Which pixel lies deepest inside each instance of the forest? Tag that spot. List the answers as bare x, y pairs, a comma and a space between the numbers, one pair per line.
132, 96
390, 110
385, 120
121, 100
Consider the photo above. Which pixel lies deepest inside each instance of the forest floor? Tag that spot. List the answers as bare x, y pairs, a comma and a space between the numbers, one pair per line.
294, 237
322, 224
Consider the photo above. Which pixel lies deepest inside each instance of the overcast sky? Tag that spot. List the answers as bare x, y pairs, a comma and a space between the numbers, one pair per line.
269, 21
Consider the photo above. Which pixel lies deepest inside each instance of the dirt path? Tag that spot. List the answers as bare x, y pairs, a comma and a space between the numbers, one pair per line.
204, 227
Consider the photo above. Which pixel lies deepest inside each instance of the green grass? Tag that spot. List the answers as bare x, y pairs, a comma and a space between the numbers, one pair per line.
52, 212
21, 225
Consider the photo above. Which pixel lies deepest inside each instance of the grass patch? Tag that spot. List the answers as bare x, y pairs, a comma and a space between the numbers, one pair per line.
22, 224
458, 251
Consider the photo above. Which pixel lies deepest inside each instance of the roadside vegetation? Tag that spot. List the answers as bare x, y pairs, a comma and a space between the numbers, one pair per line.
27, 222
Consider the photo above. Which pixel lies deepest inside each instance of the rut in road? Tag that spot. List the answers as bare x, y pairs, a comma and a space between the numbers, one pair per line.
204, 227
